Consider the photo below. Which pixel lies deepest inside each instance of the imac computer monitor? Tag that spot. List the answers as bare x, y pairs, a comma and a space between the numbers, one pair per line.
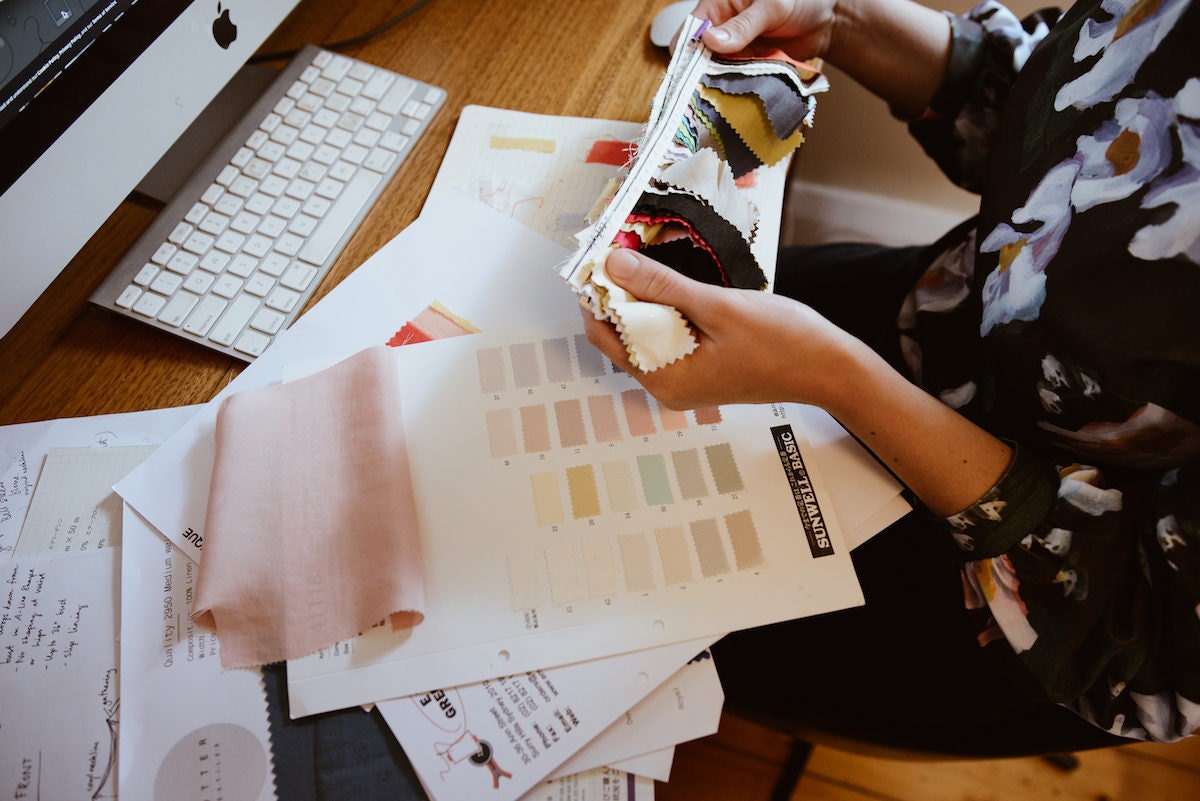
92, 93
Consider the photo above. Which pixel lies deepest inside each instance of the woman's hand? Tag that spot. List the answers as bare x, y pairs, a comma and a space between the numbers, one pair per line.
754, 347
801, 29
897, 49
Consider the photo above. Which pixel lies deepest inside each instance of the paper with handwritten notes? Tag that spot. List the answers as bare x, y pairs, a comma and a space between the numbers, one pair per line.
58, 652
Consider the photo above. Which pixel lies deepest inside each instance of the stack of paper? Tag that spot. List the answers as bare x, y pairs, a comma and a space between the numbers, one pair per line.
569, 605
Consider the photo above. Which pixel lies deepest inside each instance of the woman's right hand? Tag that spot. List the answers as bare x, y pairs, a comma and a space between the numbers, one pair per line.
897, 49
801, 28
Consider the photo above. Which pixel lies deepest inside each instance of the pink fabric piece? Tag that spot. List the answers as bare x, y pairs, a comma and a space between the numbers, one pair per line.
311, 534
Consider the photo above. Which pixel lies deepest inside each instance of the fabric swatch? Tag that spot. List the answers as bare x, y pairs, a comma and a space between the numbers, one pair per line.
687, 196
435, 321
773, 93
311, 533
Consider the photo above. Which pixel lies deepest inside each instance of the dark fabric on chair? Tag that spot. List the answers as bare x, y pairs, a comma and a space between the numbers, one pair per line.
904, 671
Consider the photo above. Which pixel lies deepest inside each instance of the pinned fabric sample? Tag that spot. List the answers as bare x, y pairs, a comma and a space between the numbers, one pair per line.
435, 321
311, 532
687, 198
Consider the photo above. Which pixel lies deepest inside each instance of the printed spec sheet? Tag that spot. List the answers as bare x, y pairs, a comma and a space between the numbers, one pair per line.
565, 516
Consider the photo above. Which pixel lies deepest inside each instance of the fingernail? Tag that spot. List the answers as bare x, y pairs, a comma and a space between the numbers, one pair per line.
621, 263
719, 35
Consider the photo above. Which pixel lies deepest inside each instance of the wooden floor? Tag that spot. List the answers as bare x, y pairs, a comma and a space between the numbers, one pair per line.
742, 761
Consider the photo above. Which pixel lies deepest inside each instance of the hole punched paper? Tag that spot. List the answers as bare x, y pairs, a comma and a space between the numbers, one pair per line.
687, 198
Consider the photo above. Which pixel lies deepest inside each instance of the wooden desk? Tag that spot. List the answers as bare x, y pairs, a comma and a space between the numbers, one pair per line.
587, 58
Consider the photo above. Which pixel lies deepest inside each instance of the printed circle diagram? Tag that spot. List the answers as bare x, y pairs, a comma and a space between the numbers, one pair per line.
222, 760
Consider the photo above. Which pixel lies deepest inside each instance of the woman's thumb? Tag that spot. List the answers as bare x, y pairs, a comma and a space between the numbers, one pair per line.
645, 278
737, 32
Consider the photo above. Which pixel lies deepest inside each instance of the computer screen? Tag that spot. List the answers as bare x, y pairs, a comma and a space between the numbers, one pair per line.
92, 93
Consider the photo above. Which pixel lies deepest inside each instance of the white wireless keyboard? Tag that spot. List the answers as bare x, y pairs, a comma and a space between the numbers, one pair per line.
231, 261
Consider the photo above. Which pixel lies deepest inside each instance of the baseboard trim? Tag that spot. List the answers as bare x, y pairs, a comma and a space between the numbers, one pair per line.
817, 213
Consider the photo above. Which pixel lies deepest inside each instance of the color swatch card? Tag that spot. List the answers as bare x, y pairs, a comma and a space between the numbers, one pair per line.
566, 516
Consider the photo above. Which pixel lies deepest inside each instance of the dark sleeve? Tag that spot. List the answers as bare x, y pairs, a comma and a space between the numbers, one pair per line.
989, 47
1093, 582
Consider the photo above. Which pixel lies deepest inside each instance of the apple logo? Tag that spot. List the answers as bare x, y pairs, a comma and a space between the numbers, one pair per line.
224, 31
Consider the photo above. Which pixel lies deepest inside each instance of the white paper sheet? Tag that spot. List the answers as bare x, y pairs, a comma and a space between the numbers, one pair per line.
23, 449
500, 275
685, 707
502, 737
533, 168
74, 508
58, 675
190, 731
602, 784
654, 765
512, 584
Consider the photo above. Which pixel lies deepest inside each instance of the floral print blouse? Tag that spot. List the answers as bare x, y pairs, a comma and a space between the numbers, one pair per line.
1064, 318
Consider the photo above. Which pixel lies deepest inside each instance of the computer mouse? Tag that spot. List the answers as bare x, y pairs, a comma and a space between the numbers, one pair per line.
667, 22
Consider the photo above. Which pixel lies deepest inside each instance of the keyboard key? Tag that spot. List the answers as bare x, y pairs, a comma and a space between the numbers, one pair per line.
197, 213
379, 160
284, 300
321, 244
397, 95
394, 141
226, 286
316, 206
149, 304
242, 265
180, 233
302, 225
213, 223
183, 262
230, 326
166, 284
145, 275
178, 308
337, 68
199, 282
245, 222
230, 242
259, 285
298, 277
274, 264
288, 244
227, 175
204, 315
377, 84
198, 243
258, 245
212, 194
228, 205
164, 253
127, 298
272, 226
268, 321
252, 343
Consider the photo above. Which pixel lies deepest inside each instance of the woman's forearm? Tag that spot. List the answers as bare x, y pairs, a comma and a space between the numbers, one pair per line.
897, 49
948, 461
